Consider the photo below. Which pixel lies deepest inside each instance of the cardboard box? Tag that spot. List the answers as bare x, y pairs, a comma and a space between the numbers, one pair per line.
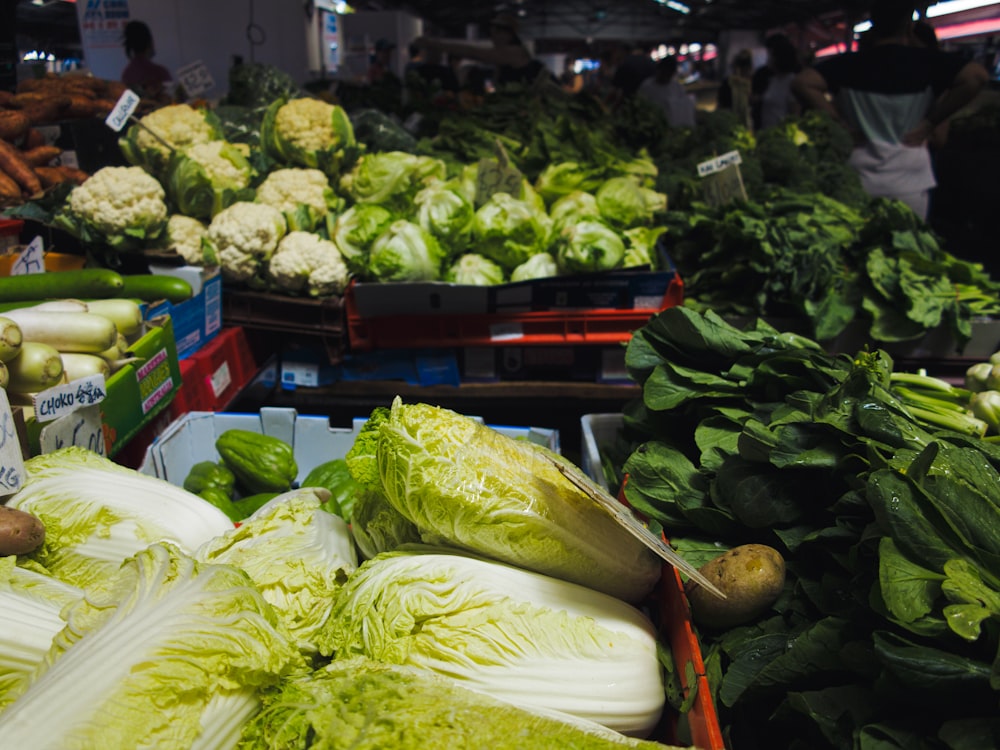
191, 439
198, 320
137, 393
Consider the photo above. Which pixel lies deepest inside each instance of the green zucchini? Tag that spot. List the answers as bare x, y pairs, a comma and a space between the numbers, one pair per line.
152, 287
79, 283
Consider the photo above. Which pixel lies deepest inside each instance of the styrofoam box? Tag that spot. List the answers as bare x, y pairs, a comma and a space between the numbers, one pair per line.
595, 430
191, 438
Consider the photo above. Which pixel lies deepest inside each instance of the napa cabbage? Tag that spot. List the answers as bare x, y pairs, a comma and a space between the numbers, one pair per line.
167, 652
297, 554
332, 706
377, 526
98, 513
519, 636
467, 485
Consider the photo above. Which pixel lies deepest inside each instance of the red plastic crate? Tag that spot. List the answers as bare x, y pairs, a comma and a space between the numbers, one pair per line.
222, 368
545, 327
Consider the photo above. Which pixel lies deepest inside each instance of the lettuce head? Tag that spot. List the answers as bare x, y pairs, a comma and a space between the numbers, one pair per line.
466, 485
405, 252
538, 266
446, 214
562, 178
475, 270
573, 207
509, 231
332, 706
624, 202
589, 246
356, 229
519, 636
391, 178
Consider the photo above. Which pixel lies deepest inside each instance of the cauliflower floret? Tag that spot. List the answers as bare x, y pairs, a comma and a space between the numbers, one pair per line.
285, 189
184, 235
305, 262
221, 171
307, 124
119, 199
180, 125
243, 237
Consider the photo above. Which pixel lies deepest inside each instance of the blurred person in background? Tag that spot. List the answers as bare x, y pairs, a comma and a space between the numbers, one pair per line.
632, 66
380, 69
775, 88
734, 91
145, 77
892, 94
666, 92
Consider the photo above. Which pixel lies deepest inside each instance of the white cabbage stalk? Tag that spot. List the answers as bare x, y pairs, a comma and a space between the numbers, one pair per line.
98, 513
30, 606
142, 660
298, 555
519, 636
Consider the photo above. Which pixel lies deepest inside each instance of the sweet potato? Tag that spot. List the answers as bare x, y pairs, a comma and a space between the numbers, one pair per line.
20, 532
12, 162
10, 191
32, 138
51, 176
6, 97
39, 156
13, 124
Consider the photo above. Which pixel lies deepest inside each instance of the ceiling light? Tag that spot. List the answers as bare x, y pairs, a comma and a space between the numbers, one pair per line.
957, 6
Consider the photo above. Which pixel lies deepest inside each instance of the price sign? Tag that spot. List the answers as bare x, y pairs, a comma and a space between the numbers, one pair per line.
195, 78
30, 260
722, 181
123, 110
493, 177
62, 400
83, 428
11, 460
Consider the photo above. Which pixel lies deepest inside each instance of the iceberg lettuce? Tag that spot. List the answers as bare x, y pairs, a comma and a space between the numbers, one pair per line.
519, 636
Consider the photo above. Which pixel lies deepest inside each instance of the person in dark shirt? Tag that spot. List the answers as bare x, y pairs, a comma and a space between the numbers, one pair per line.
425, 66
734, 91
891, 95
141, 74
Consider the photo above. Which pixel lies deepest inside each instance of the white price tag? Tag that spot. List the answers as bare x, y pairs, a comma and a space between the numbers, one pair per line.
61, 400
221, 379
30, 260
68, 158
123, 110
195, 78
11, 460
719, 163
83, 428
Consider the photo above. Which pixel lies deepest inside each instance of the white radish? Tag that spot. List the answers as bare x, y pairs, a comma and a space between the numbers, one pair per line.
66, 331
36, 368
117, 351
4, 375
78, 365
126, 314
11, 338
59, 305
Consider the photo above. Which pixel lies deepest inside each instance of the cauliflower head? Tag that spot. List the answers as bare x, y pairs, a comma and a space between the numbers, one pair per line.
121, 205
180, 125
184, 236
307, 133
303, 195
306, 263
243, 237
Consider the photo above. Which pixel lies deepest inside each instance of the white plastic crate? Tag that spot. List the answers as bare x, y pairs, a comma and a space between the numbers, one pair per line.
595, 430
191, 438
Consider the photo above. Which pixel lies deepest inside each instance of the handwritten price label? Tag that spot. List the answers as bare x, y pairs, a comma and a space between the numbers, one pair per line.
11, 460
82, 429
61, 400
493, 177
123, 110
719, 163
195, 78
30, 260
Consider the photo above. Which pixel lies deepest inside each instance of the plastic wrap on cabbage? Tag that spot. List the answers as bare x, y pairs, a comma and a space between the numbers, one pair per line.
589, 246
356, 229
509, 231
467, 485
405, 252
475, 270
377, 526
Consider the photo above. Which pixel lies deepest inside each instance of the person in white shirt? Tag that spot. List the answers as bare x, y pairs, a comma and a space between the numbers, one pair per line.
663, 90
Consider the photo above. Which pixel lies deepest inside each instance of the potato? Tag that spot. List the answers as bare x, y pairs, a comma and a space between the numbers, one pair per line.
751, 576
20, 532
